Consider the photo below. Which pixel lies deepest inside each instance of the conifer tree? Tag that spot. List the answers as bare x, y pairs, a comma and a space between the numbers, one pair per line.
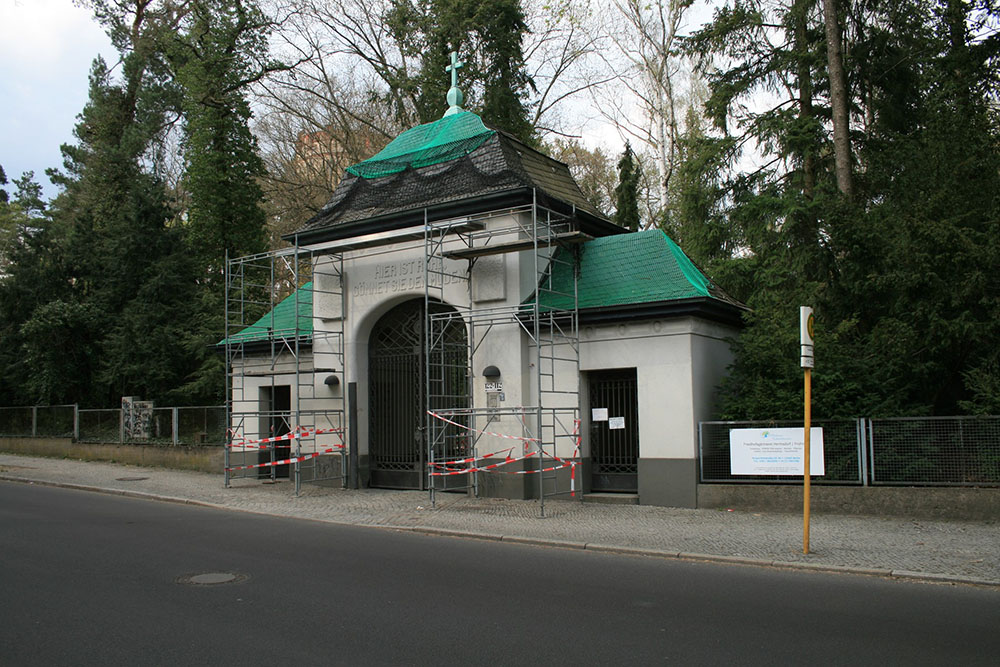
487, 35
627, 191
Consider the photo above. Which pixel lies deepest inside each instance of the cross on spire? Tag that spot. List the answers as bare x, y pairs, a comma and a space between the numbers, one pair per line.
453, 68
455, 96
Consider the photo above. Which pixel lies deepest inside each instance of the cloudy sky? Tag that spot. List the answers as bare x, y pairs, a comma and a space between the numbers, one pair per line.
46, 47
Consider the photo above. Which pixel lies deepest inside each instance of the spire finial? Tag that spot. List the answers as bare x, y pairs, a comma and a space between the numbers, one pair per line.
455, 96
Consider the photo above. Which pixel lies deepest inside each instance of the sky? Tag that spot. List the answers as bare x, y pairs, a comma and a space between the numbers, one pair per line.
46, 48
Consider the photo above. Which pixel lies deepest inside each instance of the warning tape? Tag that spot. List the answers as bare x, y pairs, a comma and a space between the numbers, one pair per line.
492, 466
298, 433
265, 441
471, 459
297, 459
476, 430
465, 471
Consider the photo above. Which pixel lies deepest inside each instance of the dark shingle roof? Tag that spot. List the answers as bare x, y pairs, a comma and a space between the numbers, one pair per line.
500, 172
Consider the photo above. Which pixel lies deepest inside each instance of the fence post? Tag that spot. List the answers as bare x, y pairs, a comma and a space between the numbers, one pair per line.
701, 452
862, 450
34, 421
174, 426
76, 422
871, 452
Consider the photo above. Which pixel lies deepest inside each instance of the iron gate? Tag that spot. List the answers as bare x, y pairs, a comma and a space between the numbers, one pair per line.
614, 431
396, 380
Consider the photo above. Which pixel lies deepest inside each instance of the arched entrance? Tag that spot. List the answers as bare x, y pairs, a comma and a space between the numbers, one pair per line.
396, 388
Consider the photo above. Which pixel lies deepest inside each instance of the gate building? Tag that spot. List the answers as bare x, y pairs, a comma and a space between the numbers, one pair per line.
459, 317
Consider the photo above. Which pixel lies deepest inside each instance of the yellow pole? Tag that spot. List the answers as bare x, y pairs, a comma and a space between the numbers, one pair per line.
806, 476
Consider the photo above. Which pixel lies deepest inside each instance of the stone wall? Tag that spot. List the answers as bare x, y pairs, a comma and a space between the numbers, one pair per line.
961, 503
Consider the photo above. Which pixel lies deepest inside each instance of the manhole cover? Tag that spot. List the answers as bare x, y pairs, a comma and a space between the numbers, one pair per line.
130, 479
212, 578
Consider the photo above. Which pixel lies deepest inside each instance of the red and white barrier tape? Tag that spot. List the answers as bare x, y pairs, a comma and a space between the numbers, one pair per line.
492, 466
471, 459
465, 471
298, 433
297, 459
476, 430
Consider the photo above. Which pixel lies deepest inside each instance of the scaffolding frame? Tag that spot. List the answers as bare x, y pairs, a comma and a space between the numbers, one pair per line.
309, 427
550, 420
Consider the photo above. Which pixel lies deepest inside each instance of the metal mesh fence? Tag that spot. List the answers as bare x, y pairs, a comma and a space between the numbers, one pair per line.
101, 425
842, 452
55, 421
161, 427
16, 421
201, 425
181, 426
941, 451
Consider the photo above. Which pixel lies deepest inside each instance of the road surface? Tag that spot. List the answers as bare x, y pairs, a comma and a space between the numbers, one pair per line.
94, 579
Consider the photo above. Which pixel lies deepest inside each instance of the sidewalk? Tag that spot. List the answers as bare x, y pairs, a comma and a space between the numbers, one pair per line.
940, 551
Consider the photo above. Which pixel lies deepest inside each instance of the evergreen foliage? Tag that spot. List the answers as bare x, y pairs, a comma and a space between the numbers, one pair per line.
903, 274
487, 35
116, 288
627, 191
223, 49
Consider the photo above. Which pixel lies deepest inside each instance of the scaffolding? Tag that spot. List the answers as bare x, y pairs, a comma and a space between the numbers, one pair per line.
286, 325
549, 418
285, 395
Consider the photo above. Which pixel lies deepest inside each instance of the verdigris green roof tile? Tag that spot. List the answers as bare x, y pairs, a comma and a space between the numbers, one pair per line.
281, 322
628, 269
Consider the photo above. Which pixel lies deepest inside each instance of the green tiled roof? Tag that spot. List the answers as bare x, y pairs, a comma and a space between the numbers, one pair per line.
627, 269
280, 322
445, 139
619, 270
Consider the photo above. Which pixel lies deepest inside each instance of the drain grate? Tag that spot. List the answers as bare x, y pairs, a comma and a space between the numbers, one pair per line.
212, 578
130, 479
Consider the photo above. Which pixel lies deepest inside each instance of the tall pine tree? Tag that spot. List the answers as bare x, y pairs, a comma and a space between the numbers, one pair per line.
627, 191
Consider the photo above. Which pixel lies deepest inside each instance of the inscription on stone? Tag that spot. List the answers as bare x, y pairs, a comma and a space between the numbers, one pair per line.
398, 277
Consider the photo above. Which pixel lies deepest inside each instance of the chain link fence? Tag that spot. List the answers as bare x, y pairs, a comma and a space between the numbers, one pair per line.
843, 447
917, 451
52, 421
938, 451
202, 425
100, 426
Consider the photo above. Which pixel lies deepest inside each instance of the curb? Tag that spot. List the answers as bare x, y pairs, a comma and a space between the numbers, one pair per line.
904, 575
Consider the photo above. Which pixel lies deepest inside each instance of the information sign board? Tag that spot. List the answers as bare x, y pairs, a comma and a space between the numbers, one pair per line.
774, 451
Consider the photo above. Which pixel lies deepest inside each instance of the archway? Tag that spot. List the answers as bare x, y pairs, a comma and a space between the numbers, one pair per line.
396, 390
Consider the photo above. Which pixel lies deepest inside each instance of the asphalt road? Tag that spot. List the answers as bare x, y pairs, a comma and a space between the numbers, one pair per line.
89, 579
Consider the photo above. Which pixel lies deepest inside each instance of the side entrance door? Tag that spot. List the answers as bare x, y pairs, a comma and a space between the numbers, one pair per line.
276, 408
614, 431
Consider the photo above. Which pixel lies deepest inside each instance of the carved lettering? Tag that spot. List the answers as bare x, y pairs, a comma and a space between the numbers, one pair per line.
398, 277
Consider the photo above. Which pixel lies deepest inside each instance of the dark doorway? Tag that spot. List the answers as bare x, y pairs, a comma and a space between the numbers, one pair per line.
276, 413
614, 431
396, 385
